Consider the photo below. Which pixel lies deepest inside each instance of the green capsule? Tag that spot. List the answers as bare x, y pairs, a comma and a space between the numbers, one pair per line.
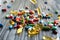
53, 28
31, 25
50, 22
28, 18
46, 28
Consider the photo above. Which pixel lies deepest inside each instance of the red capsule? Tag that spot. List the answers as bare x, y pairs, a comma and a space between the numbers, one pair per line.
56, 21
31, 12
10, 17
31, 16
18, 19
4, 10
35, 20
30, 22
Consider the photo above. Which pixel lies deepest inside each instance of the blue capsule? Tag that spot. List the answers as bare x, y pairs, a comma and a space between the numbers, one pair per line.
45, 2
1, 25
10, 27
9, 6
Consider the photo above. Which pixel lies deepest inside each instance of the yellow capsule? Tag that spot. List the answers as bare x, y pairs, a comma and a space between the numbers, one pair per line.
14, 12
12, 22
39, 10
50, 14
19, 30
47, 38
29, 36
33, 1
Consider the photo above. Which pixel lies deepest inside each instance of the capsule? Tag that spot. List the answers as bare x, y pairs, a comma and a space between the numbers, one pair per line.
31, 16
45, 28
19, 30
18, 19
56, 21
31, 25
54, 28
12, 22
1, 25
4, 10
9, 6
10, 27
30, 22
35, 20
31, 12
47, 38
